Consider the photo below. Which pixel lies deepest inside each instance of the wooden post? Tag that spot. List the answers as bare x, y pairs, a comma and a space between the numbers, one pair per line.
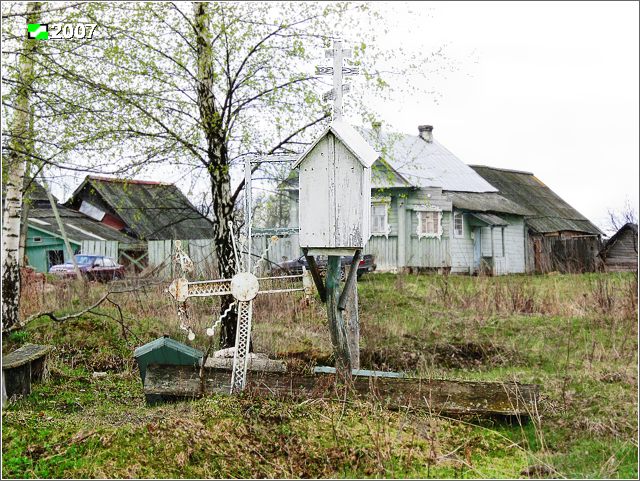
315, 273
351, 319
56, 214
336, 323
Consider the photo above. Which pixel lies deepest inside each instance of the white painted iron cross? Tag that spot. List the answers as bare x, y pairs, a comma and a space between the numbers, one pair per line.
244, 287
338, 70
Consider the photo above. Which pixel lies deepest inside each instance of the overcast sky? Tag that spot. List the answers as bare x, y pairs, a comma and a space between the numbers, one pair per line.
545, 87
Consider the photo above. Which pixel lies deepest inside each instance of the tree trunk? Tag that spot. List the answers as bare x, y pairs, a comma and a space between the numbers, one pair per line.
218, 166
337, 328
15, 166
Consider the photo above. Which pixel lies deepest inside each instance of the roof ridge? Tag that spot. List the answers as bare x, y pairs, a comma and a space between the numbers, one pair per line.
128, 181
515, 171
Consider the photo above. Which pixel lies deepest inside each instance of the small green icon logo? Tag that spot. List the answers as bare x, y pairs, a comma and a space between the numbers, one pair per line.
39, 31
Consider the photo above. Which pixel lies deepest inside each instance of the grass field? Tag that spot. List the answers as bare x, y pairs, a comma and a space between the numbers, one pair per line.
575, 335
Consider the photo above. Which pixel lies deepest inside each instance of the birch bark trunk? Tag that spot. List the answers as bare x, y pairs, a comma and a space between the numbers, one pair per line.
218, 165
15, 166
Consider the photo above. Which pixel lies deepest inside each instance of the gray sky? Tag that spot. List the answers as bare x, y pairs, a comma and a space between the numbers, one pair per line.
546, 87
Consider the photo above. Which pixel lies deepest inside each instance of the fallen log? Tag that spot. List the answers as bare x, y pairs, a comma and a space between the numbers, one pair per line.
165, 383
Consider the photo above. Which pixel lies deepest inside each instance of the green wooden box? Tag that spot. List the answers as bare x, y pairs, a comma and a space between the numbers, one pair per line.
165, 350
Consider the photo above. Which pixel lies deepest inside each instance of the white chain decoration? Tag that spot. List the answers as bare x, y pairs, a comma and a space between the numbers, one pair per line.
273, 240
182, 259
212, 330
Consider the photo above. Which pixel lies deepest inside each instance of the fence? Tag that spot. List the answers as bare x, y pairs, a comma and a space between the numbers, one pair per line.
566, 255
265, 250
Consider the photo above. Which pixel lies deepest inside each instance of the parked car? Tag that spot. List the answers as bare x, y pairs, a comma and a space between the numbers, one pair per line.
367, 264
96, 268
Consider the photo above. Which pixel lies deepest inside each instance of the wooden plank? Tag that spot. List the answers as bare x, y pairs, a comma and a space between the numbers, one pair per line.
23, 355
351, 279
315, 273
170, 383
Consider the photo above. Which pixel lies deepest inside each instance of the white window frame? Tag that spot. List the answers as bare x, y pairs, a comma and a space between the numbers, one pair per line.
387, 228
429, 235
459, 215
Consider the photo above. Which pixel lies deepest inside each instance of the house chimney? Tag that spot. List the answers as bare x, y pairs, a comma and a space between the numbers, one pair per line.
377, 125
426, 132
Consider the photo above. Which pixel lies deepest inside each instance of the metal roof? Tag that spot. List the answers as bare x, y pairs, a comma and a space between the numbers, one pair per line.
151, 210
485, 202
426, 164
351, 138
167, 342
78, 226
548, 212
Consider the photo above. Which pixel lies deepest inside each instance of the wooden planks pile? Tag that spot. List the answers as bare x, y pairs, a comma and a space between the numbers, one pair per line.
171, 383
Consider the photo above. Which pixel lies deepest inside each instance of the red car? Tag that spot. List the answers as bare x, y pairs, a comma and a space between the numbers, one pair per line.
95, 268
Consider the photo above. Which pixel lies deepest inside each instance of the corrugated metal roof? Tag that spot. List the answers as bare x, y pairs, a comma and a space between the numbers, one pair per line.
349, 137
548, 212
78, 226
490, 219
151, 210
485, 202
426, 164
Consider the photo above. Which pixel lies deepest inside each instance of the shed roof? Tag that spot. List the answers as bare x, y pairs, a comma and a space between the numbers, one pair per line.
628, 227
351, 138
490, 219
78, 226
485, 202
548, 212
425, 164
151, 210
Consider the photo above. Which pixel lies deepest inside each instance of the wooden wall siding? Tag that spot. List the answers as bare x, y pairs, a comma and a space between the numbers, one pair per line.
203, 254
428, 252
462, 248
100, 248
335, 197
160, 252
623, 255
385, 251
353, 209
420, 198
316, 226
514, 244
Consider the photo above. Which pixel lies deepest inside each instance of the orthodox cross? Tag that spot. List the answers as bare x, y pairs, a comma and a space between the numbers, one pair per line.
338, 71
244, 287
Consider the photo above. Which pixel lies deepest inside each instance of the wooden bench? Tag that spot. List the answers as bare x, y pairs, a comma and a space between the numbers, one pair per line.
22, 367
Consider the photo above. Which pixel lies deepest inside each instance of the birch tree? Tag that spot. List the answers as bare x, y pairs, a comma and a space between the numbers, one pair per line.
14, 167
194, 87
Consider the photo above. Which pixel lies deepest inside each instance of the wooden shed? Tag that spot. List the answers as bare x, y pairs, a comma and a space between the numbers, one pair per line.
335, 191
620, 253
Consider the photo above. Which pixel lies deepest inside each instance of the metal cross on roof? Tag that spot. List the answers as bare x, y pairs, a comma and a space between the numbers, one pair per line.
244, 286
338, 71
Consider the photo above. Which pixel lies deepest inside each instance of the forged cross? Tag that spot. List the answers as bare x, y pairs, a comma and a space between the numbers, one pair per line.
338, 71
244, 286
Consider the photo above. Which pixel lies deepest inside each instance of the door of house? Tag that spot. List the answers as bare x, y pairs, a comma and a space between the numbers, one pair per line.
477, 248
54, 257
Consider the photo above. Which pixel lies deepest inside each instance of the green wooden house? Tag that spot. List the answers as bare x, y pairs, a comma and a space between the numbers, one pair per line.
44, 245
430, 211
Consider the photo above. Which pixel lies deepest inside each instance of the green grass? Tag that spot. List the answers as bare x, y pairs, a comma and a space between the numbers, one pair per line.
576, 336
